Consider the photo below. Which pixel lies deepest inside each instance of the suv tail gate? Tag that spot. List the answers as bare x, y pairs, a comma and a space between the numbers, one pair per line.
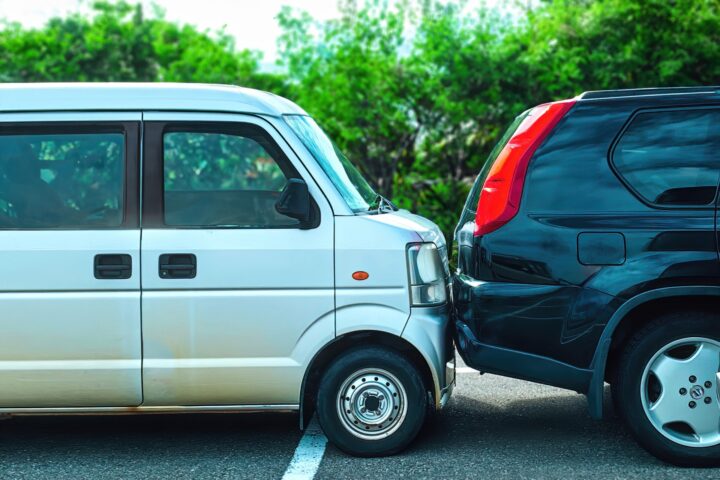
496, 194
499, 199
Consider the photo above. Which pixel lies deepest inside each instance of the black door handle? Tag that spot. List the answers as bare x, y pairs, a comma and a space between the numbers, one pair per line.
177, 265
113, 266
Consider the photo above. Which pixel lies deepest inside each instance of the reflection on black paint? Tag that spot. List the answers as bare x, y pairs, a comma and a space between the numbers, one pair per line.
529, 291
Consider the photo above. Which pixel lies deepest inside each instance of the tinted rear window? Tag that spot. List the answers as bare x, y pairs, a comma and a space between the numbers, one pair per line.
69, 180
672, 158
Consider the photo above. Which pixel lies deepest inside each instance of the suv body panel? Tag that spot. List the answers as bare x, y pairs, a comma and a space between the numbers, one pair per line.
540, 297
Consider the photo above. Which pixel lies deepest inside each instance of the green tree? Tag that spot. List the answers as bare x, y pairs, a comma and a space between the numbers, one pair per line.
570, 46
117, 42
348, 73
462, 96
115, 45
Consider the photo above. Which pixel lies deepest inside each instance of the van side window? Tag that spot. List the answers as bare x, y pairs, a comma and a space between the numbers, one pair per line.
73, 180
670, 158
223, 179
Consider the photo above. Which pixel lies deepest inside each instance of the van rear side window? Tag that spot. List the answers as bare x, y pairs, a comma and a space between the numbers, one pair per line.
51, 181
670, 158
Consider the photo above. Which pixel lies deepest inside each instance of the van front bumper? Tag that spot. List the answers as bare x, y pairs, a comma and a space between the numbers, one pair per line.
429, 329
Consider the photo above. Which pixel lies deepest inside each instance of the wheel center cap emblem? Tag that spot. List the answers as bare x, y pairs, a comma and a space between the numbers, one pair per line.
697, 392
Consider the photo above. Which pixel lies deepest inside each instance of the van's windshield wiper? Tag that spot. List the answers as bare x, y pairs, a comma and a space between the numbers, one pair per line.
381, 204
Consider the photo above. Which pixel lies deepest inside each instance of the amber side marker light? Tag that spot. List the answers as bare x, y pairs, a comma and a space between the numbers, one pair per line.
360, 275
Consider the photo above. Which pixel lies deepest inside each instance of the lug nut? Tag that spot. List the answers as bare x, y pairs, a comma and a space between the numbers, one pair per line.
708, 400
693, 379
683, 391
708, 384
693, 404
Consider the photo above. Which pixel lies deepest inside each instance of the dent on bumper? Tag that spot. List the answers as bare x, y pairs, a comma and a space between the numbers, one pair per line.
498, 311
428, 328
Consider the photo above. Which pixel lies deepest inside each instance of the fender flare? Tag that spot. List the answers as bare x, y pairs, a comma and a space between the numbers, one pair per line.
599, 361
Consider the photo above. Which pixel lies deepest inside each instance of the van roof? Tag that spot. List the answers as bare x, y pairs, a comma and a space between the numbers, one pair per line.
44, 97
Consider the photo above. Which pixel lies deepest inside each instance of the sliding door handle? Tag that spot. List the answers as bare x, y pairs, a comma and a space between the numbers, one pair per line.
177, 265
113, 266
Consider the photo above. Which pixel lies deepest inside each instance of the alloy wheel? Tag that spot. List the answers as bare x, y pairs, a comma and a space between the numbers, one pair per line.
680, 391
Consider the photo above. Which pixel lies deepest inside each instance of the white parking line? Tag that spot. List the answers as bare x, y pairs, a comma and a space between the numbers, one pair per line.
465, 370
308, 454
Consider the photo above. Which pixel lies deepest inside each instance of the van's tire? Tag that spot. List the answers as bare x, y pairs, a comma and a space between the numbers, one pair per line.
397, 402
655, 388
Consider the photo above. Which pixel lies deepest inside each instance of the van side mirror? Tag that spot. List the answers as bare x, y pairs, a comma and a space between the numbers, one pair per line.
294, 200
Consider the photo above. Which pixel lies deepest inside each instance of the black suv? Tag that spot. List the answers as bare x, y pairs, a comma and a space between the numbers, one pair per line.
588, 253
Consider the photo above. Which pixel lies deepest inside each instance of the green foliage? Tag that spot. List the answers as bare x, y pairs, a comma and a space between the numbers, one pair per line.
113, 46
119, 43
350, 76
415, 92
579, 45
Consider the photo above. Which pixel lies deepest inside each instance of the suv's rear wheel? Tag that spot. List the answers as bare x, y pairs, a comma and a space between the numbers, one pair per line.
371, 402
667, 388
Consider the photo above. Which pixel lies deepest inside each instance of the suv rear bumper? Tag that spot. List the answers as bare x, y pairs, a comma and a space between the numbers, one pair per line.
472, 304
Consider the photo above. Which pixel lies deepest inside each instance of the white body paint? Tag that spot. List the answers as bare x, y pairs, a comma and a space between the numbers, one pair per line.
243, 332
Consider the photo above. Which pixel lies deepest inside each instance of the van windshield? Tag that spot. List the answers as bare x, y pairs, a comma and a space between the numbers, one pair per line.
356, 191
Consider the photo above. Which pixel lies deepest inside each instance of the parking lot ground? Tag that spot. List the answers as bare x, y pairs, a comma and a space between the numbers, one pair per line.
493, 428
222, 446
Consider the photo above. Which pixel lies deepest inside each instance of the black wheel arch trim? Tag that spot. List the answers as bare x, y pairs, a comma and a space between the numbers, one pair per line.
599, 361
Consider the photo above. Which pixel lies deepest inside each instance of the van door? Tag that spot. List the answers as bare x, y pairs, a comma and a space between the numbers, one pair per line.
236, 297
69, 260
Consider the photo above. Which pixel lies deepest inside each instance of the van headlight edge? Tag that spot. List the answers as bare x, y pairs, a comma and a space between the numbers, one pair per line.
426, 275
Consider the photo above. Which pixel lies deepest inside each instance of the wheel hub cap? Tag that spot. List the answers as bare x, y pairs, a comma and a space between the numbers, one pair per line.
697, 392
680, 393
372, 403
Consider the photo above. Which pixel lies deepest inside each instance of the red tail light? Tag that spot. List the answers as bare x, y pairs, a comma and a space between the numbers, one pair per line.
500, 195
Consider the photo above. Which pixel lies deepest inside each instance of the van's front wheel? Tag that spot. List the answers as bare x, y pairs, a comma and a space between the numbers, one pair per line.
371, 402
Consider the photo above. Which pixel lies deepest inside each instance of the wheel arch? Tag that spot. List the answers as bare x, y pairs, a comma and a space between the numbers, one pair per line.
633, 314
342, 343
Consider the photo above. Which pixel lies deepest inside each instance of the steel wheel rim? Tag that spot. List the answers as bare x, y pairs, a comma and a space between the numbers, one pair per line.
372, 404
680, 391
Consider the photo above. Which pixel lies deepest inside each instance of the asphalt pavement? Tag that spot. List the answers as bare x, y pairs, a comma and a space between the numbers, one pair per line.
494, 428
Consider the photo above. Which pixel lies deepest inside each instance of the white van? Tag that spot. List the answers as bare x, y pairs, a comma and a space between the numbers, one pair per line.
184, 248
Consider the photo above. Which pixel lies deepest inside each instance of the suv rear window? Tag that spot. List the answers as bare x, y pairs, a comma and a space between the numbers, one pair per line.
670, 158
